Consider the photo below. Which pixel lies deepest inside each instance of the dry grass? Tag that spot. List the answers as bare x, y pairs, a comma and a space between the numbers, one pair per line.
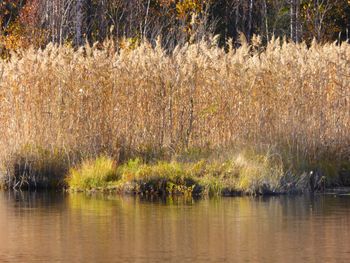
148, 102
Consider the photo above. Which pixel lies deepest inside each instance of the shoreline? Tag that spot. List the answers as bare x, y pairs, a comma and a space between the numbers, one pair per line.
246, 173
340, 191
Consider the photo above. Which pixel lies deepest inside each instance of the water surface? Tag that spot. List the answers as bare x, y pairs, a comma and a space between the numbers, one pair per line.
57, 227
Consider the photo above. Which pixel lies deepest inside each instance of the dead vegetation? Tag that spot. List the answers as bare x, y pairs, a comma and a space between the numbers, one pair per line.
146, 102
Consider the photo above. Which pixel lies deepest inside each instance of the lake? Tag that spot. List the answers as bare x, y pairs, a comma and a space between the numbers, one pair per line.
60, 227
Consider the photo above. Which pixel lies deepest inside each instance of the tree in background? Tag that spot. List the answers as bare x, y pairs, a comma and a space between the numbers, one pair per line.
38, 22
324, 20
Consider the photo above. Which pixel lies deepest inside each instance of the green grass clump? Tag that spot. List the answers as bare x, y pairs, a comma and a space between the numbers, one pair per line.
247, 172
91, 174
161, 178
136, 170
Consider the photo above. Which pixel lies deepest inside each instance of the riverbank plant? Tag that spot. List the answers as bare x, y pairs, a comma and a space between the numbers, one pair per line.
92, 174
153, 104
34, 167
245, 173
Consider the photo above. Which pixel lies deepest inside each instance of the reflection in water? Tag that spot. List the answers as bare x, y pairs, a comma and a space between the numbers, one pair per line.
57, 227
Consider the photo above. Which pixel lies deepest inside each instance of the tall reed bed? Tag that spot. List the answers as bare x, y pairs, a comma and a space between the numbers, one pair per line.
149, 102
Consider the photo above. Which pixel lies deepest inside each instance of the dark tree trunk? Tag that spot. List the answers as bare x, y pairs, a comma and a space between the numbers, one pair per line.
292, 20
250, 20
79, 23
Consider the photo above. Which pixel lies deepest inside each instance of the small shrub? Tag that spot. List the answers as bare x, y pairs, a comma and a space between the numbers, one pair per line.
92, 174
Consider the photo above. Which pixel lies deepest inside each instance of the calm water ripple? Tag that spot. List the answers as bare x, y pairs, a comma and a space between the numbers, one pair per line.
57, 227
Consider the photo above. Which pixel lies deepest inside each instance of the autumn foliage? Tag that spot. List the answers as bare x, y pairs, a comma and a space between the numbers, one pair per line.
38, 22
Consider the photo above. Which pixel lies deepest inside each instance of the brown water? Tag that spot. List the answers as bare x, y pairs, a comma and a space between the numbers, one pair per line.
50, 227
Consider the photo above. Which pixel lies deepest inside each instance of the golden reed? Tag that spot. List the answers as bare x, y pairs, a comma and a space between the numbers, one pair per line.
98, 101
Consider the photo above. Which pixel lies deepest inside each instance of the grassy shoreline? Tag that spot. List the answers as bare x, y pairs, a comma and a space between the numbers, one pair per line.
277, 112
243, 173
